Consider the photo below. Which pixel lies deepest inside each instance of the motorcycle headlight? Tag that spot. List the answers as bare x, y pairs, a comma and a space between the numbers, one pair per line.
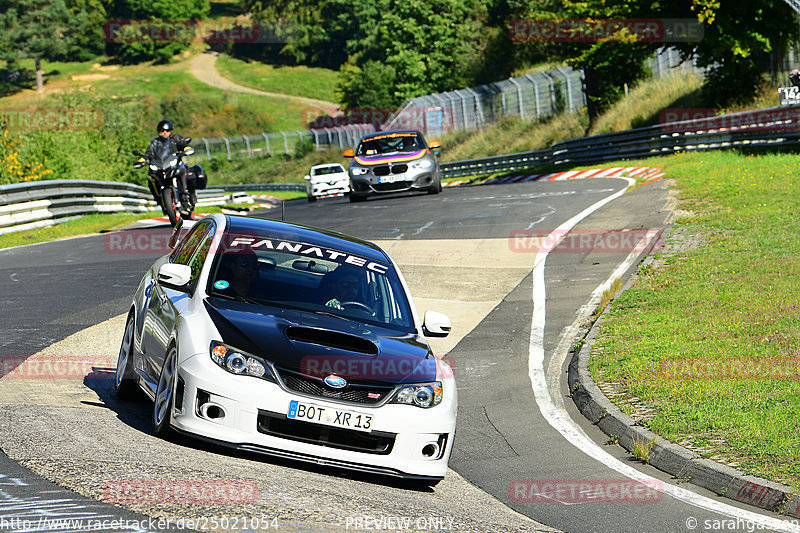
239, 362
358, 171
153, 167
425, 163
420, 394
173, 163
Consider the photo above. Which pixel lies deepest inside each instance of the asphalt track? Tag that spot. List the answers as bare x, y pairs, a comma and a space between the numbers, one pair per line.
455, 250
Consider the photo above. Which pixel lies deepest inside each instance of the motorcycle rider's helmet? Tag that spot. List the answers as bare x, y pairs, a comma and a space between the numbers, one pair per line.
164, 125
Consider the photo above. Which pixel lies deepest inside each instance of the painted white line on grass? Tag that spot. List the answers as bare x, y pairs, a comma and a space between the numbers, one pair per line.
559, 419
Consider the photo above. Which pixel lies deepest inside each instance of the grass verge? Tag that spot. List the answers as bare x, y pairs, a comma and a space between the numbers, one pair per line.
708, 338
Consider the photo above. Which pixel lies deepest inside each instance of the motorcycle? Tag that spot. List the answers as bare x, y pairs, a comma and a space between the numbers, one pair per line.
165, 169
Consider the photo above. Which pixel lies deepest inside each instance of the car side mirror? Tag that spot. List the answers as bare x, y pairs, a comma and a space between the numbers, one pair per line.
348, 153
306, 178
434, 145
436, 324
174, 275
176, 232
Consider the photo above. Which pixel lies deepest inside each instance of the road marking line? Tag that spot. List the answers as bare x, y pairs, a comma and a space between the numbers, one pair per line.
559, 419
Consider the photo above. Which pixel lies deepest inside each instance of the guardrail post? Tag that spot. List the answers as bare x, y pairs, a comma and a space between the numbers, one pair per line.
316, 138
208, 150
228, 147
569, 87
247, 142
519, 98
266, 139
532, 79
285, 143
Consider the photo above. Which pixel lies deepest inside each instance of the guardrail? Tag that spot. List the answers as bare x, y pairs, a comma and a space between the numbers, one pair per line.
38, 204
44, 203
771, 127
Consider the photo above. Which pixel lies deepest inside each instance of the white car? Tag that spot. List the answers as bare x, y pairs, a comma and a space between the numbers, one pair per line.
326, 180
293, 341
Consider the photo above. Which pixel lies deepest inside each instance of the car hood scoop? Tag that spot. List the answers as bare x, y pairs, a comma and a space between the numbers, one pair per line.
318, 345
331, 339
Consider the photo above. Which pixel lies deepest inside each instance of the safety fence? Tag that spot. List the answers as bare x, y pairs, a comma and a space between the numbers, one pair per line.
777, 127
37, 204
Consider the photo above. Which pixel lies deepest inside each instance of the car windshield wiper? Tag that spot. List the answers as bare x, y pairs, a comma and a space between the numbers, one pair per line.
237, 298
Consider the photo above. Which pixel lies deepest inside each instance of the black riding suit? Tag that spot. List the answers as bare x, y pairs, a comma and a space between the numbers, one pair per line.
176, 144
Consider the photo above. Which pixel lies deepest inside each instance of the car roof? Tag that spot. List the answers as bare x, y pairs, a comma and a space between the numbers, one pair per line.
307, 234
328, 165
389, 132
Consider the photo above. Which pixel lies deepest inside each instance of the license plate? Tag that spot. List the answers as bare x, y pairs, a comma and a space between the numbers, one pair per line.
342, 418
392, 179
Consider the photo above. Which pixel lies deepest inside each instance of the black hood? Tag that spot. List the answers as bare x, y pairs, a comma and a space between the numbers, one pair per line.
320, 345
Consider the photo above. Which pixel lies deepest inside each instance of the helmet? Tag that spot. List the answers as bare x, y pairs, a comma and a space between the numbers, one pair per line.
164, 125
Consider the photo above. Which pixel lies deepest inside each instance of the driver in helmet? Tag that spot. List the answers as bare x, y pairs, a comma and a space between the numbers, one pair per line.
176, 144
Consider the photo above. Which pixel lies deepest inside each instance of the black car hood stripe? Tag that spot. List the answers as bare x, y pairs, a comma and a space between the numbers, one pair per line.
322, 347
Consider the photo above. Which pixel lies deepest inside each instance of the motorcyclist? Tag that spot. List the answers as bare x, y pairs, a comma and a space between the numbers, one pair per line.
167, 140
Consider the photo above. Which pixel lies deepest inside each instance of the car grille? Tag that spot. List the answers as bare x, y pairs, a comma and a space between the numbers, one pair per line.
278, 425
396, 186
399, 169
382, 170
360, 393
385, 170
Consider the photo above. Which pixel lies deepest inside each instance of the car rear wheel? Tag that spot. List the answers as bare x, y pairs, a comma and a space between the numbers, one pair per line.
124, 382
162, 406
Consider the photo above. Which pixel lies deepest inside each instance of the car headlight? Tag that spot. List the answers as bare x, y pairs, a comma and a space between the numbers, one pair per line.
358, 171
239, 362
425, 163
421, 394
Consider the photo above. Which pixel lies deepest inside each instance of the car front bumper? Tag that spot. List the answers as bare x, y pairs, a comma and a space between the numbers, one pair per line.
325, 188
255, 419
411, 180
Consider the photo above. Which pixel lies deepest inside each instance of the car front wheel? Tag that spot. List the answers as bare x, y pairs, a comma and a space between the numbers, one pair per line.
162, 406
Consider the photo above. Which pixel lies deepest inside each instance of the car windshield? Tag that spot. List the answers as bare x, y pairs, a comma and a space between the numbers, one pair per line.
391, 143
265, 270
333, 169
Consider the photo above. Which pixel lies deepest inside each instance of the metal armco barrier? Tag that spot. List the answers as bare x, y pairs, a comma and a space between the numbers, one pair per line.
772, 127
44, 203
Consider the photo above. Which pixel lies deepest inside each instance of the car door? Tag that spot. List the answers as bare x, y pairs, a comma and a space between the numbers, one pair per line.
164, 304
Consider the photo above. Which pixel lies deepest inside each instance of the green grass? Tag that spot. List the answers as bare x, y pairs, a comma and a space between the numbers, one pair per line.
310, 82
685, 338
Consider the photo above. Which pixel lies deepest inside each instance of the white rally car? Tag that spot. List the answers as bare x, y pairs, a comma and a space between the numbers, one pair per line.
326, 180
292, 341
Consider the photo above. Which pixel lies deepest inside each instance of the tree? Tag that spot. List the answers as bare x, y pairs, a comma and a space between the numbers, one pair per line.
738, 34
36, 29
158, 30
